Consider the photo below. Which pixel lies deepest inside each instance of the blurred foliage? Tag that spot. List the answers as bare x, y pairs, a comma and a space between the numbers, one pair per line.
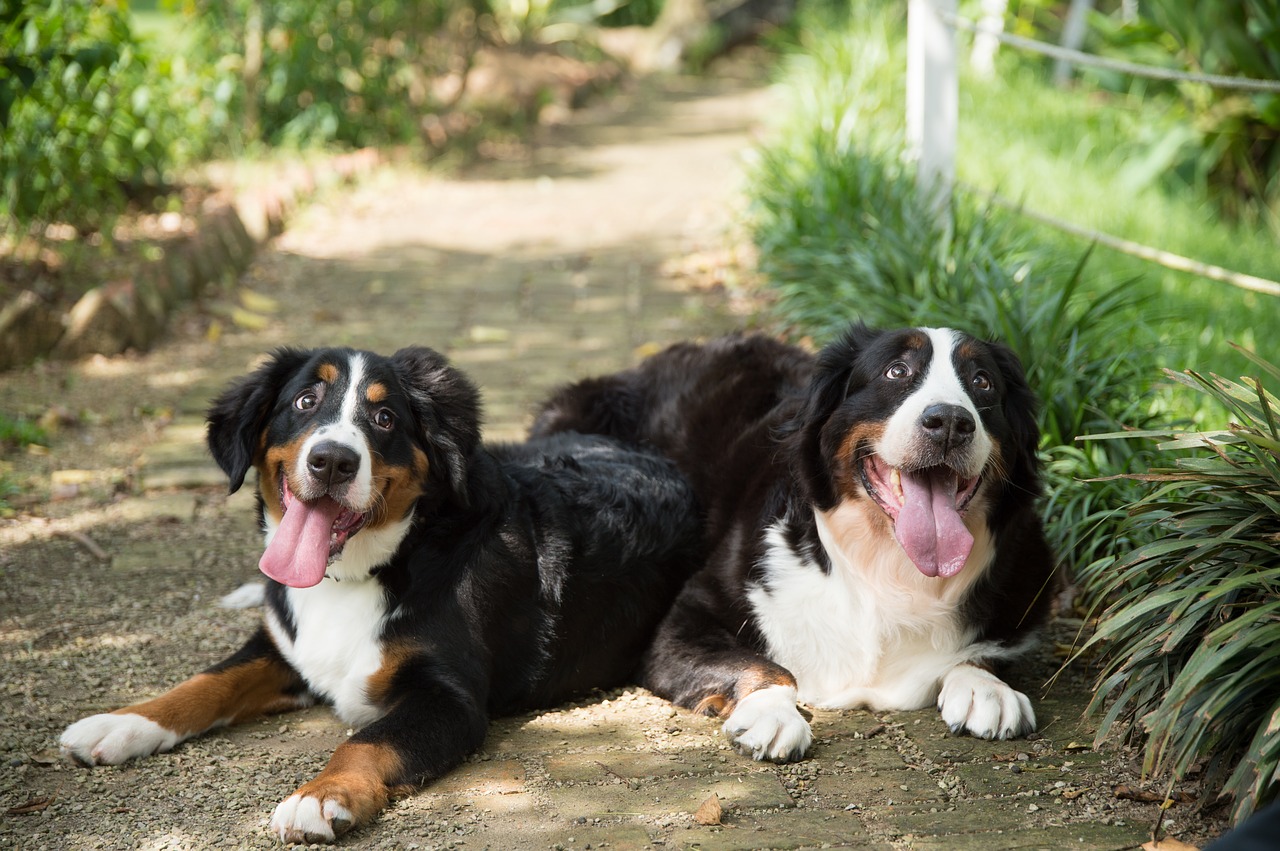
85, 119
19, 432
1225, 140
303, 72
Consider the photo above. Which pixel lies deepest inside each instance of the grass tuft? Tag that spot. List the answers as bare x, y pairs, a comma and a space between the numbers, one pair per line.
1190, 632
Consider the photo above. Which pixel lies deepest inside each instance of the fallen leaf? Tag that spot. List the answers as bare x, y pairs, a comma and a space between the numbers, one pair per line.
257, 302
710, 811
488, 334
1168, 844
1077, 746
248, 320
35, 805
1125, 793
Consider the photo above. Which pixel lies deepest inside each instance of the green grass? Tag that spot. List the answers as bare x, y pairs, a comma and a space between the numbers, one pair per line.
1079, 156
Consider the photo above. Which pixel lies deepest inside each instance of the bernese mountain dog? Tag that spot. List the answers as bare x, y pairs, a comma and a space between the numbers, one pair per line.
420, 581
873, 536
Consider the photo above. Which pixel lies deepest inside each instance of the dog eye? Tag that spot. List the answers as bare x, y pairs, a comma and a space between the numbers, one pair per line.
384, 419
306, 400
981, 381
897, 371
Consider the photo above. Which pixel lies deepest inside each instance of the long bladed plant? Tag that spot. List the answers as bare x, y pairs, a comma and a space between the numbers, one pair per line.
1190, 632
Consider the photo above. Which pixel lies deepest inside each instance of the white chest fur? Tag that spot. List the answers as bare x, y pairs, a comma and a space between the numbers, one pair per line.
336, 647
873, 631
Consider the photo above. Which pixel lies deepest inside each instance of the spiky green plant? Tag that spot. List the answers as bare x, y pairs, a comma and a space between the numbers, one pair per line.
1190, 634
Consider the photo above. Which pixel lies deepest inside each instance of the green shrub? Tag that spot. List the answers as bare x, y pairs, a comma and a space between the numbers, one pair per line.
299, 72
20, 432
1190, 636
83, 122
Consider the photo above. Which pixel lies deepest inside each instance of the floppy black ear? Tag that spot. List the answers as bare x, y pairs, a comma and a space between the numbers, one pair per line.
1020, 410
447, 408
237, 418
835, 376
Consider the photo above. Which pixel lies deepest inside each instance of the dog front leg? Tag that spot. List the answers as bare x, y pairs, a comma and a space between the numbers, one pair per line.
705, 668
254, 681
427, 731
976, 701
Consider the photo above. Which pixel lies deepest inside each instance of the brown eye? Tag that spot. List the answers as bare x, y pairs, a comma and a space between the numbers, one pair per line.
897, 371
306, 400
981, 381
384, 419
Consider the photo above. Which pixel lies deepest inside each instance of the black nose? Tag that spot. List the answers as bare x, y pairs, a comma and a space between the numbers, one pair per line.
949, 426
332, 463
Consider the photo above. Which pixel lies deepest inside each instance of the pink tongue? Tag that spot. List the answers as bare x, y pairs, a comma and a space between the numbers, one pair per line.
929, 527
299, 551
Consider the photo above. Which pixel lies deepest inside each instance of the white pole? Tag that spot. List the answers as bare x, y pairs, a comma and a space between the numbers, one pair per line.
1073, 32
933, 93
982, 59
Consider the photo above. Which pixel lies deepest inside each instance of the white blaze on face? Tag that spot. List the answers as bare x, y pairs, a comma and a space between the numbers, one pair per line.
346, 430
941, 385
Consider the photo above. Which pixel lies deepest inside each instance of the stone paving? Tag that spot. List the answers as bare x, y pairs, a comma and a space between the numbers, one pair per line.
526, 273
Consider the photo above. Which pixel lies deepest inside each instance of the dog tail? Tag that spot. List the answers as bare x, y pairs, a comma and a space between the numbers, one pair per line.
609, 405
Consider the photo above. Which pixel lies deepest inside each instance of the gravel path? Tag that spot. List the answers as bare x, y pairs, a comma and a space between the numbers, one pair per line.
570, 258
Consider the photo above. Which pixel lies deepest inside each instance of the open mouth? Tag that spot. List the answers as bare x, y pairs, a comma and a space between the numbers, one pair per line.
345, 524
310, 536
927, 507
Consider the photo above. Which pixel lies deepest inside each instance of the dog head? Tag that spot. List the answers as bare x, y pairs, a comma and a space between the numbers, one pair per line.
345, 443
930, 424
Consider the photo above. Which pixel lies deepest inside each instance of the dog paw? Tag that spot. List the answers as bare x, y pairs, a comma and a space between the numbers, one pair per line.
309, 820
111, 739
767, 725
978, 702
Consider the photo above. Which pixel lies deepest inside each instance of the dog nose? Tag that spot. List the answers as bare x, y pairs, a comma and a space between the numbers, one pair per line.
948, 425
332, 463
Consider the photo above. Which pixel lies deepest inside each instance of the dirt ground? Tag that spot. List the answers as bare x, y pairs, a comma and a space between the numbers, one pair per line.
599, 242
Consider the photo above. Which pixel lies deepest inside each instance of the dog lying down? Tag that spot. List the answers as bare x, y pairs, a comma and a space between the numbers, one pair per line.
420, 582
873, 537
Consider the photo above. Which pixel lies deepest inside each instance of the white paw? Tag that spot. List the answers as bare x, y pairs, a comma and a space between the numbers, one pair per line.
111, 739
982, 704
305, 819
767, 725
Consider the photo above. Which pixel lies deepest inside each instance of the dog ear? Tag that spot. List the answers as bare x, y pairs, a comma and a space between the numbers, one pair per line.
1019, 409
835, 376
238, 417
446, 406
